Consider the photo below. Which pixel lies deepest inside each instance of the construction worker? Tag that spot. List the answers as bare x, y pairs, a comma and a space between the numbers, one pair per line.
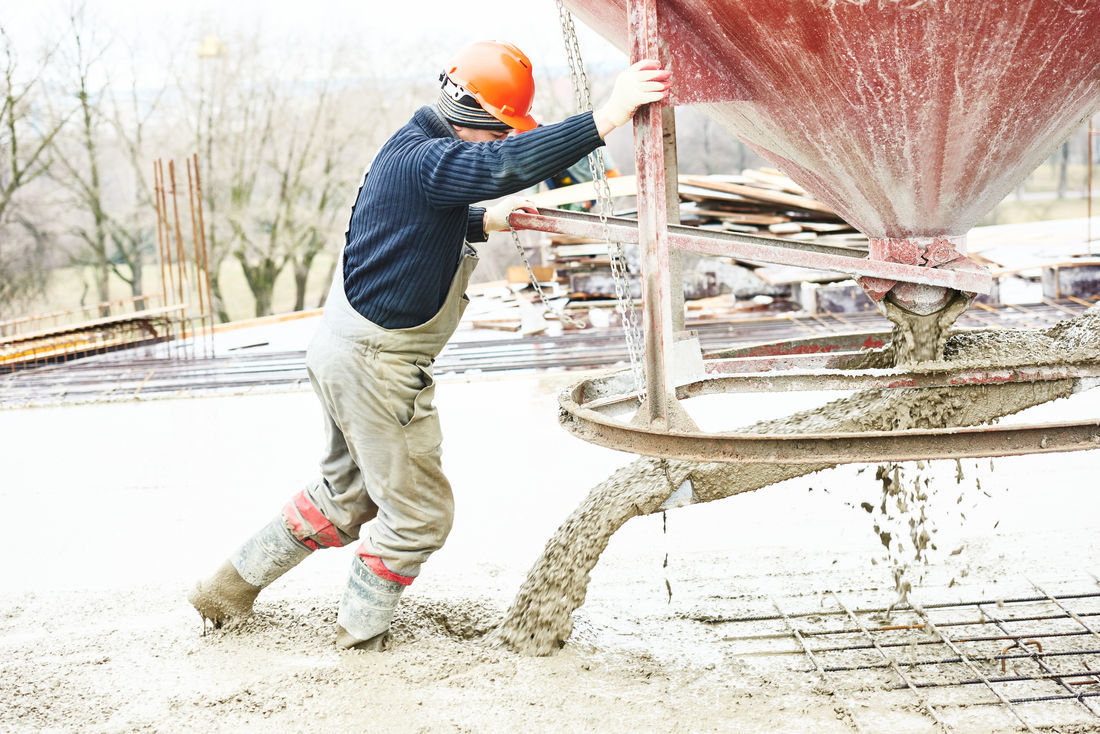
396, 299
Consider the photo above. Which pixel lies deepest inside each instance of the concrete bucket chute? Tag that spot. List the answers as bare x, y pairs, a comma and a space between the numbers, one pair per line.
911, 118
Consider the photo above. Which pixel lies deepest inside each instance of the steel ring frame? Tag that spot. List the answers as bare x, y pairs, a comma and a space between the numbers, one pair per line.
590, 408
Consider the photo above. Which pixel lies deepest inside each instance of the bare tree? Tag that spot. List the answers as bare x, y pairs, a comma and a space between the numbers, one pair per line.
79, 158
114, 230
25, 141
133, 229
277, 143
234, 109
320, 183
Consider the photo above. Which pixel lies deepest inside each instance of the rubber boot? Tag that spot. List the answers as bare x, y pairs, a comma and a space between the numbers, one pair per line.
366, 609
231, 591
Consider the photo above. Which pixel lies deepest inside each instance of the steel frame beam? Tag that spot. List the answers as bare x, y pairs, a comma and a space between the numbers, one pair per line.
756, 248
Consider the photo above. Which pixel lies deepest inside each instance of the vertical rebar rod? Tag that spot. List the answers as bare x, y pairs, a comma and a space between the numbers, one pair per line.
162, 203
202, 240
160, 235
162, 213
181, 258
198, 267
893, 665
968, 663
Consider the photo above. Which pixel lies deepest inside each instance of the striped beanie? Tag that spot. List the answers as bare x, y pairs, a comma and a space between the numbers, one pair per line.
460, 108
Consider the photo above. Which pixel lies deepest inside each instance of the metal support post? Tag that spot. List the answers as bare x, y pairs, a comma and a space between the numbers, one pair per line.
672, 199
649, 163
1088, 194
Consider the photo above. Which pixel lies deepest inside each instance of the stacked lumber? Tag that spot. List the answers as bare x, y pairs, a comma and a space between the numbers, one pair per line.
758, 201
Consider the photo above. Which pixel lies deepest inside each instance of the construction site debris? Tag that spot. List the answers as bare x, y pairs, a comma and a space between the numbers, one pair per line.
756, 201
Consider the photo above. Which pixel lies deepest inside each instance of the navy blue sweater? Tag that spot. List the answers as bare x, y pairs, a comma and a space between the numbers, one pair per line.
413, 210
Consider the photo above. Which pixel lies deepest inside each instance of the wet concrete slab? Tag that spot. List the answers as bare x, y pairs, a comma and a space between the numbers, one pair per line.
114, 509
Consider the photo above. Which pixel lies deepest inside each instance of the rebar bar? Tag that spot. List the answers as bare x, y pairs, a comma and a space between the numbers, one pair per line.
968, 663
1002, 679
952, 660
847, 708
202, 244
899, 627
157, 185
198, 268
903, 607
1046, 668
1070, 613
1066, 697
181, 259
894, 666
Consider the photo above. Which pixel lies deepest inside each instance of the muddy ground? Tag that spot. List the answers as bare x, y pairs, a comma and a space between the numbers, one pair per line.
114, 509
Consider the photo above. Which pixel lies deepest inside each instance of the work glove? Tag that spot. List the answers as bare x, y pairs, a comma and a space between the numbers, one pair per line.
496, 216
642, 83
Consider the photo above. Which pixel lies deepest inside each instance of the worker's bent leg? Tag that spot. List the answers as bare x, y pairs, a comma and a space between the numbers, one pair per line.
414, 518
342, 498
275, 549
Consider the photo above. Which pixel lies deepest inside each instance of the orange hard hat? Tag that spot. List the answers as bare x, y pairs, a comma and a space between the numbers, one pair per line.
498, 75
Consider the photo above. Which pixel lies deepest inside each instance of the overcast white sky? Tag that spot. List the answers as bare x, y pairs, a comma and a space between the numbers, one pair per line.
434, 27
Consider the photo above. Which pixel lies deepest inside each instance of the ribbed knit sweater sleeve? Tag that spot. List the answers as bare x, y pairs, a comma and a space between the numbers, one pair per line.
456, 172
413, 210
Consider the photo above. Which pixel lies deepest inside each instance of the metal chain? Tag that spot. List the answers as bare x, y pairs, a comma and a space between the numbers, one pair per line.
561, 315
624, 302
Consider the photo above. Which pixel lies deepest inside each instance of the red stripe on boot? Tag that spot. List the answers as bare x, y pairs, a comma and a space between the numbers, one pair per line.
375, 564
319, 525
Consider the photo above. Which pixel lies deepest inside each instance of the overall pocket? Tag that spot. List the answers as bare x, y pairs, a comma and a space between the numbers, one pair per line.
415, 409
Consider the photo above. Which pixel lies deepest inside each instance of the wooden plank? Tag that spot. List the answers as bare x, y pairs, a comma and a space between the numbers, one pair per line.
497, 324
619, 185
773, 197
785, 228
703, 193
1040, 265
595, 249
825, 227
738, 217
518, 273
775, 179
786, 275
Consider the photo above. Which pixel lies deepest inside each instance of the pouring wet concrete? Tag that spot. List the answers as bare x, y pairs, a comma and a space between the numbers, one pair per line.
115, 509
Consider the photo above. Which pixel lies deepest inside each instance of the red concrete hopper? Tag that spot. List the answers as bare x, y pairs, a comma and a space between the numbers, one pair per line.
911, 118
